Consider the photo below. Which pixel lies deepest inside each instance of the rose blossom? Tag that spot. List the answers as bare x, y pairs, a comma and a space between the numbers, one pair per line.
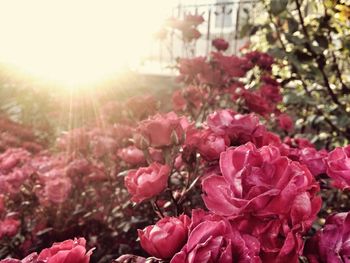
331, 243
233, 66
159, 131
240, 128
279, 240
57, 190
220, 44
266, 195
69, 251
314, 160
263, 182
257, 103
285, 122
132, 155
338, 166
9, 227
208, 144
213, 239
147, 182
166, 237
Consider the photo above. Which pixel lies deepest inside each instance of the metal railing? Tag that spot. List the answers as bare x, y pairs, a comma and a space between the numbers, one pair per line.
221, 19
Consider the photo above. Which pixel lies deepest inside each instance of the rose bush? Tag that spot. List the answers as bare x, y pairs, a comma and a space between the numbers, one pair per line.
215, 181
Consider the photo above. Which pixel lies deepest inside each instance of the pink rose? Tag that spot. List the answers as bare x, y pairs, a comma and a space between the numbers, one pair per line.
57, 190
331, 244
159, 131
132, 155
271, 93
9, 227
338, 166
190, 34
213, 239
69, 251
240, 128
207, 143
220, 44
156, 155
166, 237
262, 182
32, 258
179, 102
257, 103
147, 182
285, 122
193, 20
279, 241
233, 66
263, 60
314, 160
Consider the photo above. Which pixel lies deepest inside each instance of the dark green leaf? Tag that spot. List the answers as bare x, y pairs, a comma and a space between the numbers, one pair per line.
293, 25
278, 6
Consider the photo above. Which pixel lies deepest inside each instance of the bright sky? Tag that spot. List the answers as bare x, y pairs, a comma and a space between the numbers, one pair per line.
78, 41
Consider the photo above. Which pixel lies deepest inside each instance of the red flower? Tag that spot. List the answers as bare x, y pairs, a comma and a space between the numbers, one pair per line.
179, 102
193, 20
132, 155
257, 103
57, 189
166, 237
213, 239
338, 166
314, 160
262, 182
159, 131
220, 44
263, 60
147, 182
233, 66
190, 34
285, 122
9, 227
207, 143
331, 243
69, 251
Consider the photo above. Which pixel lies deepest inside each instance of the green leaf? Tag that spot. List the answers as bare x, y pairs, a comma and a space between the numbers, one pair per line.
322, 41
295, 40
293, 25
278, 6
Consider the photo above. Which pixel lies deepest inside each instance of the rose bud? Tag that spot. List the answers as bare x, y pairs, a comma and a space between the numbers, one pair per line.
147, 182
220, 44
166, 237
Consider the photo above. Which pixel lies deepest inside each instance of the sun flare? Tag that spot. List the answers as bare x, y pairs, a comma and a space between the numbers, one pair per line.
78, 42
